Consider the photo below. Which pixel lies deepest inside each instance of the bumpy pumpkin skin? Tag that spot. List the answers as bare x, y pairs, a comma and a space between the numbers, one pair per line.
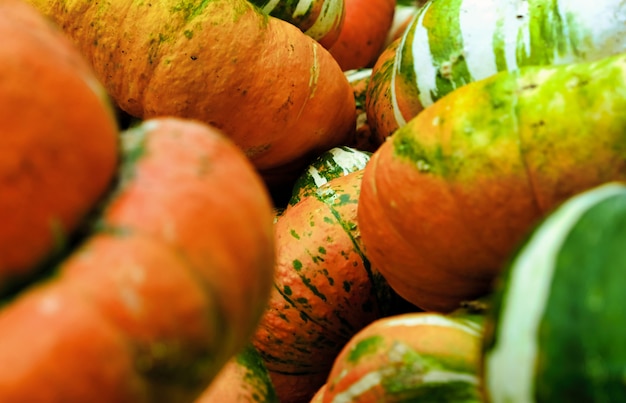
324, 289
59, 140
450, 43
277, 93
409, 358
322, 20
362, 37
449, 196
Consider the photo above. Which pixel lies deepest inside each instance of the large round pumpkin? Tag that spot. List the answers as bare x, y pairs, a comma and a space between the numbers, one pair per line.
277, 93
58, 145
448, 197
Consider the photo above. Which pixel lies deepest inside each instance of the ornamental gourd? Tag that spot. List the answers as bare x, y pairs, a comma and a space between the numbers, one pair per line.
325, 290
412, 357
558, 308
322, 20
336, 162
449, 196
59, 142
167, 285
450, 43
277, 93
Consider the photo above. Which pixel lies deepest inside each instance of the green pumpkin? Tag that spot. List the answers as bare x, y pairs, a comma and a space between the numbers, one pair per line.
556, 330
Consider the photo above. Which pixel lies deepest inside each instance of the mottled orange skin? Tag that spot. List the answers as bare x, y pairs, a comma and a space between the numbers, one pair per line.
277, 93
496, 157
192, 188
446, 344
58, 145
322, 292
170, 283
362, 37
378, 102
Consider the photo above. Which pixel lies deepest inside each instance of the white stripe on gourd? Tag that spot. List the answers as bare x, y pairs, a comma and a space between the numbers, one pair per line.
330, 16
489, 27
519, 319
271, 5
345, 158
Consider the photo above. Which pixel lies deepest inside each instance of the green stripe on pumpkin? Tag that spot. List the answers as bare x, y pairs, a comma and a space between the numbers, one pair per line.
452, 43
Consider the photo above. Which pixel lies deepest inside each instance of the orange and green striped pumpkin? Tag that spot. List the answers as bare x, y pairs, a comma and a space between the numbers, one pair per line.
450, 43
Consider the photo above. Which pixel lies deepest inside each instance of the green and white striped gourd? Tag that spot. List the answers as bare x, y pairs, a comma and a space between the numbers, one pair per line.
450, 43
320, 19
556, 332
336, 162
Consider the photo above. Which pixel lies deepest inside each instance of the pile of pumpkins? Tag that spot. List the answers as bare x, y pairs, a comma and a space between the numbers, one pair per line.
312, 201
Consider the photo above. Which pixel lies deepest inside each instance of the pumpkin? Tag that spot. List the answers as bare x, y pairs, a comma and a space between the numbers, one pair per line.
336, 162
56, 166
244, 379
169, 283
359, 79
322, 20
324, 289
451, 43
412, 357
448, 197
379, 109
258, 79
554, 330
362, 36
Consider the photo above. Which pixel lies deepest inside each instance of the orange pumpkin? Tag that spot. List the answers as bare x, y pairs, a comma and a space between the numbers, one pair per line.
324, 289
362, 37
411, 357
277, 93
167, 287
446, 200
379, 108
59, 143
